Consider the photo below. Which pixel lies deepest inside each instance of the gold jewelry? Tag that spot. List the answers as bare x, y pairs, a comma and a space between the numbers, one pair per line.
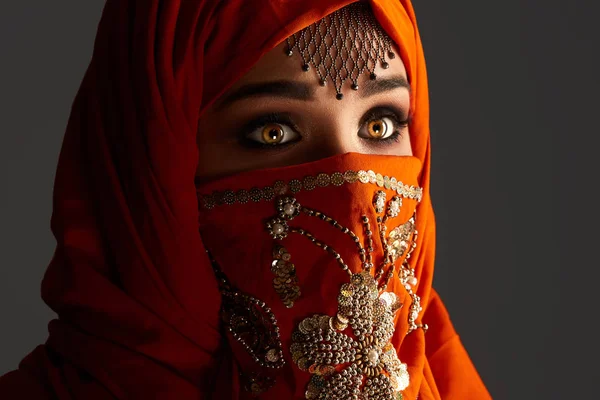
343, 45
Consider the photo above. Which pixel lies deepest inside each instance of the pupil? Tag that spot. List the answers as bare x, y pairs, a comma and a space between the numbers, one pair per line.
274, 133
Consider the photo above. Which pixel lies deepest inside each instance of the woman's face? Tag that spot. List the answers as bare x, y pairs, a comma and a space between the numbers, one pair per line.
278, 115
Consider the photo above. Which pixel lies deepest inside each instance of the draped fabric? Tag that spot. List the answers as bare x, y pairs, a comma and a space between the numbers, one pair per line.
136, 297
236, 237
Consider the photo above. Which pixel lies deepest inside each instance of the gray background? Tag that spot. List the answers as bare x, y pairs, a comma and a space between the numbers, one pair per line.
514, 88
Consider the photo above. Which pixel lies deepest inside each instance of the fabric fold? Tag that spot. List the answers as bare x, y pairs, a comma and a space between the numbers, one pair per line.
136, 296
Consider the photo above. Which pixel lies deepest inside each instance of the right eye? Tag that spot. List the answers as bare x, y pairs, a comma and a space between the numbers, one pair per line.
272, 134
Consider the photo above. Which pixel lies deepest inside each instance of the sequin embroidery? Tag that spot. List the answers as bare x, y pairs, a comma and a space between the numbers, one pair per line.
370, 367
229, 197
350, 354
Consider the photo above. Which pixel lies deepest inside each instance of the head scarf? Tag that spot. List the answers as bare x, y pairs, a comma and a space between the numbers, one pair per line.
131, 283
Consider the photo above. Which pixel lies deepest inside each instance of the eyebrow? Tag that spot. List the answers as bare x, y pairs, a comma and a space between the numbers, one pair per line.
380, 85
304, 91
282, 88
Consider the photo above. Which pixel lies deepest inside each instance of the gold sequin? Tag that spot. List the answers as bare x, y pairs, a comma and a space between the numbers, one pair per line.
386, 182
208, 201
368, 359
255, 194
310, 183
379, 179
323, 180
337, 179
285, 282
242, 196
295, 185
351, 176
363, 177
228, 197
268, 193
279, 187
372, 176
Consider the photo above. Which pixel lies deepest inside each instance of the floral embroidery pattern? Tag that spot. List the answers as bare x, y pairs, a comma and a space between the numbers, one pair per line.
251, 322
364, 366
350, 354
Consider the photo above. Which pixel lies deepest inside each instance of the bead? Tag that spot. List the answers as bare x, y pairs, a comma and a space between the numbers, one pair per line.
289, 209
370, 355
262, 344
278, 229
373, 357
317, 44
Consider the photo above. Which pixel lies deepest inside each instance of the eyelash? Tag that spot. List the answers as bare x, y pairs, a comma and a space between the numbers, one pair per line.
284, 119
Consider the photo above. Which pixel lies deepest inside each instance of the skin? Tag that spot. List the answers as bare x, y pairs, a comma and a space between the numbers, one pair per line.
322, 125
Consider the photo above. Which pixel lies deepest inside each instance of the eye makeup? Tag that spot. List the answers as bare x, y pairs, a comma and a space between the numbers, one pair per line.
292, 133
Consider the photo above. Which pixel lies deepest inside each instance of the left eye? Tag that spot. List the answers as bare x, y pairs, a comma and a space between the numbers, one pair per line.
273, 133
378, 128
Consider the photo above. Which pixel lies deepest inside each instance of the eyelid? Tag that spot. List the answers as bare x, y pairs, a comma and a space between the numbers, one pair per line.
276, 118
385, 111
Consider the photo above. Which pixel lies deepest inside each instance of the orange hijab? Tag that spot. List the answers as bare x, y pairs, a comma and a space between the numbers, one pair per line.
137, 299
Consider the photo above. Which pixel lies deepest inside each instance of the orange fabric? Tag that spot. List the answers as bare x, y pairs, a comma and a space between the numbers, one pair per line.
135, 293
238, 240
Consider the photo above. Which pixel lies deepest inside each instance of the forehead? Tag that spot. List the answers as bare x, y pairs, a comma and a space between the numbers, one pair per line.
276, 65
340, 51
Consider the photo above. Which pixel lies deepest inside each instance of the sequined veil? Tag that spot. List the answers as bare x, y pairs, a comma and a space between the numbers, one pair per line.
317, 258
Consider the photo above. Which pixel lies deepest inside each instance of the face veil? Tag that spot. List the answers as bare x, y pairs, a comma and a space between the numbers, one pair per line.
132, 283
314, 265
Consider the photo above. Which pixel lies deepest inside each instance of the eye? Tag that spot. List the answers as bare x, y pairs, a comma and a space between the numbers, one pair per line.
383, 124
269, 131
378, 128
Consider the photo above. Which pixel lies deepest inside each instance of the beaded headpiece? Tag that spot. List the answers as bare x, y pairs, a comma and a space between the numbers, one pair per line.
343, 45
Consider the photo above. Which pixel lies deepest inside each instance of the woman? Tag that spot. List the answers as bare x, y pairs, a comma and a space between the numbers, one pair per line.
300, 263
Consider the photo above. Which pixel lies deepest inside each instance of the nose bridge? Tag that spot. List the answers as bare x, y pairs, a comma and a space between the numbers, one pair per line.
331, 145
333, 137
